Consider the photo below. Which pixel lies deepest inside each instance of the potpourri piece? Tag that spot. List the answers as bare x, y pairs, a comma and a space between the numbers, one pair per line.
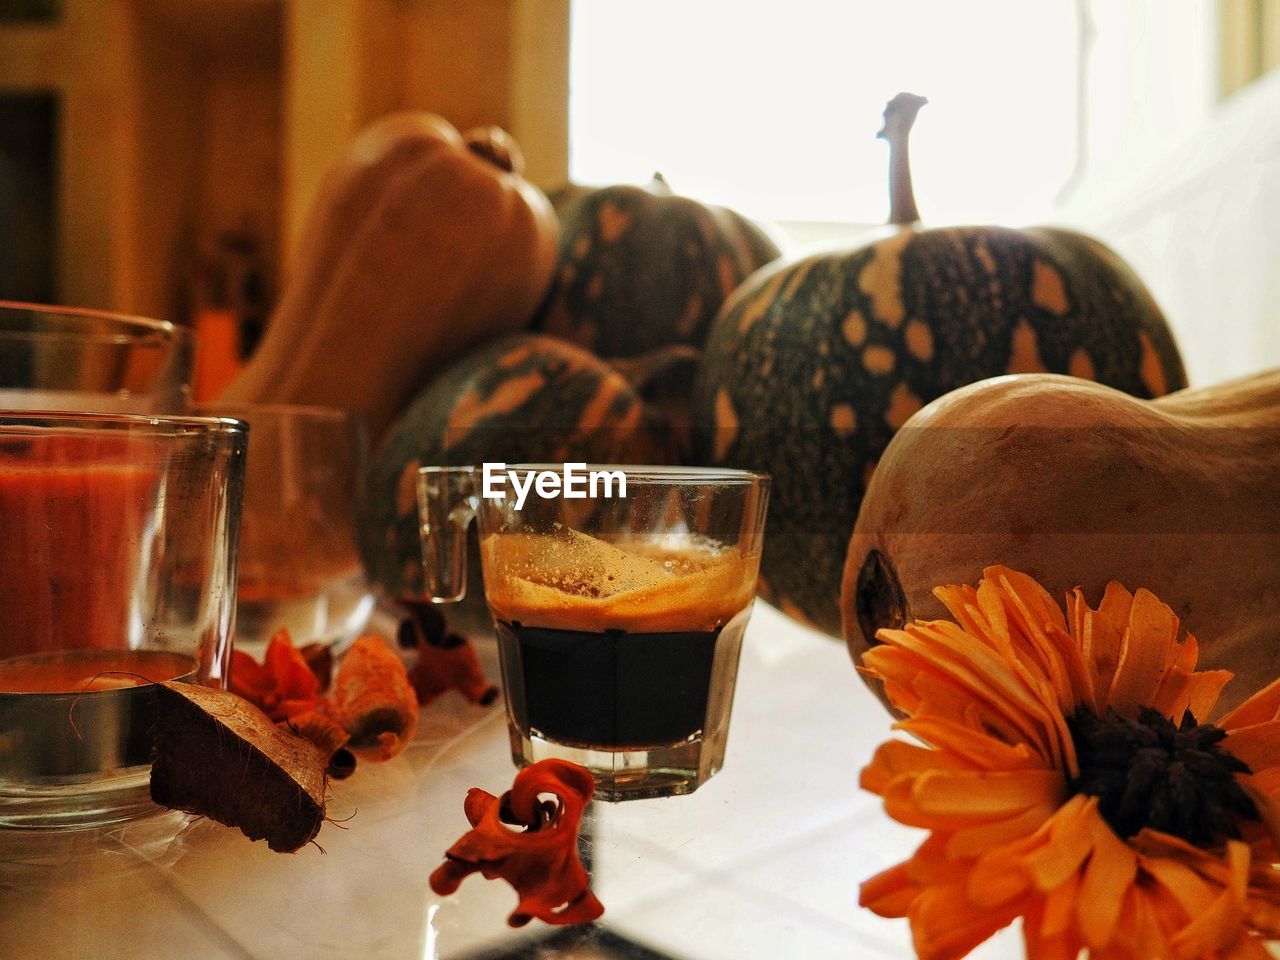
283, 685
541, 861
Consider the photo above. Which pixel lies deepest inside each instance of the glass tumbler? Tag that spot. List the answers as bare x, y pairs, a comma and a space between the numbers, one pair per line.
61, 358
619, 596
117, 571
300, 566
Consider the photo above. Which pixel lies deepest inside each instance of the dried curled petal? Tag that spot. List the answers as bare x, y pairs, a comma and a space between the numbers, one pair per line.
446, 661
541, 862
373, 700
282, 686
327, 734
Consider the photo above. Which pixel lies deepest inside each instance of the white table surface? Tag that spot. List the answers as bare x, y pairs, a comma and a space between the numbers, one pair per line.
762, 862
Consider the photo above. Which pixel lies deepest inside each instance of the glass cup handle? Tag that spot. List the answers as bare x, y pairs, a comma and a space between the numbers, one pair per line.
447, 502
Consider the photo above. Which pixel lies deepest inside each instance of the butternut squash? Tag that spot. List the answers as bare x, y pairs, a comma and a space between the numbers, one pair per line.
420, 245
1077, 484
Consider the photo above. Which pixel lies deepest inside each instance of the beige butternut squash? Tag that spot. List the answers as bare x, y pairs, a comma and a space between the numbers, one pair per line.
1076, 484
420, 245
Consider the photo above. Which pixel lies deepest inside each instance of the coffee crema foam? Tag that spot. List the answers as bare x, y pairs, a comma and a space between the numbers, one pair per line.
568, 580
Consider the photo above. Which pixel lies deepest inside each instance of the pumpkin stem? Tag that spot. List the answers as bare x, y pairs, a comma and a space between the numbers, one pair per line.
497, 146
659, 186
899, 116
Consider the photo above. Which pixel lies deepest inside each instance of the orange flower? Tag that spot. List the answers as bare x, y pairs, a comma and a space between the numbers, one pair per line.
282, 686
1066, 779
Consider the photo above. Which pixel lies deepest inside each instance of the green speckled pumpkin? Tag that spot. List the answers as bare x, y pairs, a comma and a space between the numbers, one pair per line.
522, 398
642, 268
811, 366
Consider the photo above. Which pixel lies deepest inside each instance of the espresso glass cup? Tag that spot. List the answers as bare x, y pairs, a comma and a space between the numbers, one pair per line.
60, 358
619, 595
299, 565
117, 571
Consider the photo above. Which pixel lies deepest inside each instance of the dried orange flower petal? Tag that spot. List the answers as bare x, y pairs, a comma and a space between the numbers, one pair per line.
282, 686
541, 862
446, 661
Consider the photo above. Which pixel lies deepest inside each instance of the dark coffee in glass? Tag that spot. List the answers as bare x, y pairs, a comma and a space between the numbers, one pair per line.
620, 623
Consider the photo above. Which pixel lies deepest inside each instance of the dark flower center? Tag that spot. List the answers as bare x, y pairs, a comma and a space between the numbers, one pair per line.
1150, 773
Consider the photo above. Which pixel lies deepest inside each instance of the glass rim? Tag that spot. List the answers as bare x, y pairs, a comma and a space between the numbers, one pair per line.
134, 329
644, 473
211, 408
24, 423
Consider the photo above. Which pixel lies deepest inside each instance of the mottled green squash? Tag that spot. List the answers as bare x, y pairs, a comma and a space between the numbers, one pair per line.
811, 366
520, 399
643, 268
566, 195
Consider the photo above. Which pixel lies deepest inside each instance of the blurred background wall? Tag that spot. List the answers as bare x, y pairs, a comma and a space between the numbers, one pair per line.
157, 156
155, 132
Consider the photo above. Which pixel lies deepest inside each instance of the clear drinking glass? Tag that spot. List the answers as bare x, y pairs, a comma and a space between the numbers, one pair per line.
619, 610
117, 570
60, 358
299, 561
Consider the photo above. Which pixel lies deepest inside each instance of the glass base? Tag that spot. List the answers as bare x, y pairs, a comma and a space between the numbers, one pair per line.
74, 805
334, 612
640, 773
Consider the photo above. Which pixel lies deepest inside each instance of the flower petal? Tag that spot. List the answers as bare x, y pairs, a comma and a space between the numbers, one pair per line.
945, 926
889, 893
1040, 622
1257, 745
1264, 916
1040, 947
1111, 869
972, 746
1268, 805
998, 876
1262, 706
1100, 634
986, 794
1069, 842
894, 758
1247, 948
961, 602
1204, 689
1192, 893
284, 662
1222, 923
1030, 596
1141, 927
1146, 651
1060, 907
1174, 693
973, 841
944, 648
